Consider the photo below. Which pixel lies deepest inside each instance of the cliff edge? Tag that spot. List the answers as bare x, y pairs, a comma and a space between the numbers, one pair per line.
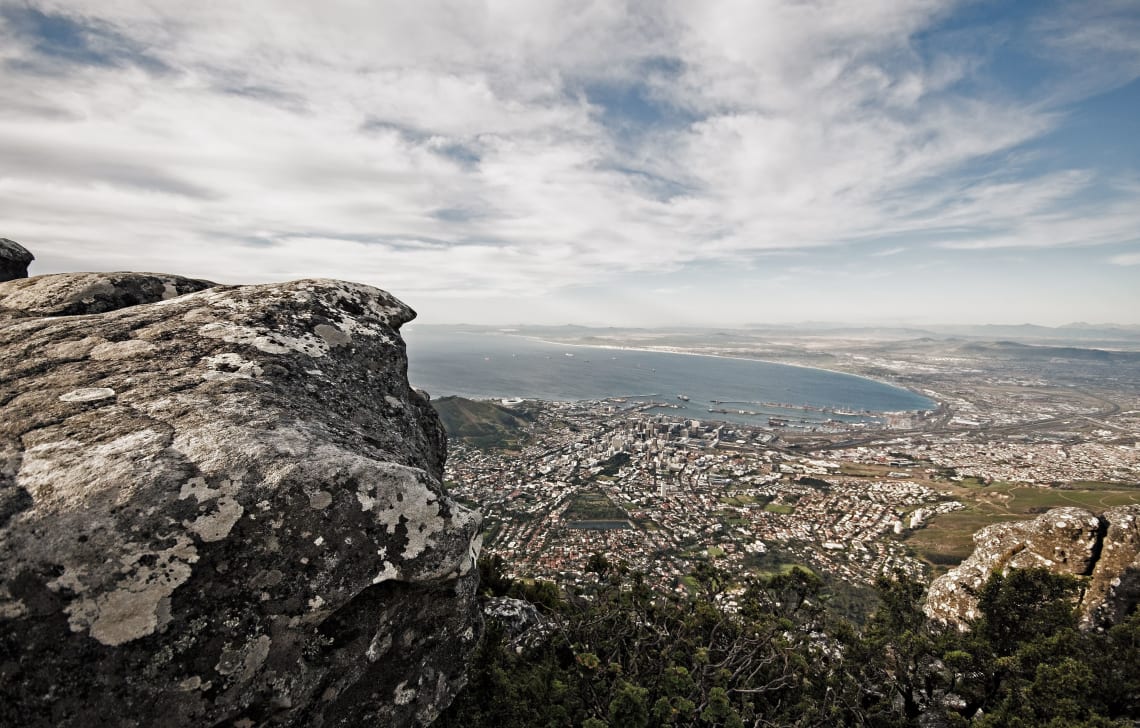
221, 505
1104, 549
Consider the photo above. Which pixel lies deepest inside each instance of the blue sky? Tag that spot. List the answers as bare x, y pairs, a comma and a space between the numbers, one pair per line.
612, 163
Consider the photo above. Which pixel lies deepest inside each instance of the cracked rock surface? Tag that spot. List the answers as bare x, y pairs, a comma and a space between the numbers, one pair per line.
221, 506
1104, 549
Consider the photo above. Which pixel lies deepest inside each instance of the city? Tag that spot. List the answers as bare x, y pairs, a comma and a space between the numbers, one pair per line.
849, 500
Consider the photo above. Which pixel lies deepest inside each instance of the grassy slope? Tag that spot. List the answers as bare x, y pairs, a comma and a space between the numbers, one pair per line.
479, 423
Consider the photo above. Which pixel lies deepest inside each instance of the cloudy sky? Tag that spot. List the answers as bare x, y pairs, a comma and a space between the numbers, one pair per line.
593, 162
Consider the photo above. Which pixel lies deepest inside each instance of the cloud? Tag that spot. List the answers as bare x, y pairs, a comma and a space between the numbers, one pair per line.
1125, 259
888, 252
517, 148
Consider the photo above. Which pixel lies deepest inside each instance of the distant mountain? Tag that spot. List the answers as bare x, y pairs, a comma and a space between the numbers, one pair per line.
482, 424
1078, 334
1025, 352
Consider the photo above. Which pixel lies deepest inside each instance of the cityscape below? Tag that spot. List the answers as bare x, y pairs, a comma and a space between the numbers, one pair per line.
982, 431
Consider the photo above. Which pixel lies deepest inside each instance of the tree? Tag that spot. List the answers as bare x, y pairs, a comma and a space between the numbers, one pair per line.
1026, 604
629, 707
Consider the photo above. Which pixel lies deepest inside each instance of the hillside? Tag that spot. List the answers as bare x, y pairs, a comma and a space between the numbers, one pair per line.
482, 424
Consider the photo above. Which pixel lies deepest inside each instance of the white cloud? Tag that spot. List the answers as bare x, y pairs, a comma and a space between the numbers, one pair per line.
889, 252
450, 148
1125, 259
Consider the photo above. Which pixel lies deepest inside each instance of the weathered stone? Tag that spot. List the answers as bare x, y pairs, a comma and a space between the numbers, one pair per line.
223, 508
1105, 549
14, 260
73, 294
1113, 591
524, 625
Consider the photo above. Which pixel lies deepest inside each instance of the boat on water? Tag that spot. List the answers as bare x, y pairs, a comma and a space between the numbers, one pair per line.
683, 397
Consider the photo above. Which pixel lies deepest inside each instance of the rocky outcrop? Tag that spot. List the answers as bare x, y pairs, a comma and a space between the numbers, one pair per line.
524, 626
72, 294
14, 260
222, 509
1104, 549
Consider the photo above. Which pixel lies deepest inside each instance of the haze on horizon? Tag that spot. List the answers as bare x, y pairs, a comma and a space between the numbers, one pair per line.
601, 163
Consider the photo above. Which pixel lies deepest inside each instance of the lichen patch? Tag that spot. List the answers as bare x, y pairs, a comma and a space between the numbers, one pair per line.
332, 335
320, 500
217, 525
131, 610
404, 695
87, 394
112, 350
272, 342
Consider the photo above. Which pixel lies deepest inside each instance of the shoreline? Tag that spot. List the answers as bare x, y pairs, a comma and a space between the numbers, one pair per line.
683, 352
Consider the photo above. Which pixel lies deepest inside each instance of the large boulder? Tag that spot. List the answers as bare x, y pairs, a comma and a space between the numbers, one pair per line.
1104, 550
14, 260
223, 509
70, 294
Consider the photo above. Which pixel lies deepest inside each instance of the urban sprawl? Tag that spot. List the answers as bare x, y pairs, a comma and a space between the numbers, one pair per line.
662, 494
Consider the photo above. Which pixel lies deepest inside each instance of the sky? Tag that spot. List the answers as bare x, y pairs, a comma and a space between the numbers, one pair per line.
675, 162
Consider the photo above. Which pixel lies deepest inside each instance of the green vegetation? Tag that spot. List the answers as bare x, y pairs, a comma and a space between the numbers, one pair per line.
782, 508
858, 470
745, 499
620, 655
593, 505
613, 464
484, 425
971, 482
817, 483
1101, 485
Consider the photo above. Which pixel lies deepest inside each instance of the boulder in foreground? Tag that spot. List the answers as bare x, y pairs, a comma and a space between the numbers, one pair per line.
222, 508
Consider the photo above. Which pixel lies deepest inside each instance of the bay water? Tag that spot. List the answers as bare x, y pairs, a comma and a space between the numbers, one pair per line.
483, 365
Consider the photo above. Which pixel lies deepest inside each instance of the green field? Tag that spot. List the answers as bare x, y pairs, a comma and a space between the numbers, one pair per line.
947, 539
781, 508
593, 505
861, 470
743, 499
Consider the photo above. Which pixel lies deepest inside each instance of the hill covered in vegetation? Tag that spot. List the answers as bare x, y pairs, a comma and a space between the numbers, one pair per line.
770, 652
482, 424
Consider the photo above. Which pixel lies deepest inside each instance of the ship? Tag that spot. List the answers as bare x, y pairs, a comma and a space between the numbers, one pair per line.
683, 397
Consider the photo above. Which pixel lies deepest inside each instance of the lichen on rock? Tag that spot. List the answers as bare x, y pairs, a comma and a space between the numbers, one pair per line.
221, 505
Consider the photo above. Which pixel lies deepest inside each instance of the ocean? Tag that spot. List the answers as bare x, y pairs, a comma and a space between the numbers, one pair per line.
480, 365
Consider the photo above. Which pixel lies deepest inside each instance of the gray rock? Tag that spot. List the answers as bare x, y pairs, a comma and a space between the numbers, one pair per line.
524, 624
514, 615
224, 508
1105, 549
73, 294
14, 260
1113, 591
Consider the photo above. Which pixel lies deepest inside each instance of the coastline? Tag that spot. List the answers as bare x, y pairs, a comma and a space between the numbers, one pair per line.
684, 352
